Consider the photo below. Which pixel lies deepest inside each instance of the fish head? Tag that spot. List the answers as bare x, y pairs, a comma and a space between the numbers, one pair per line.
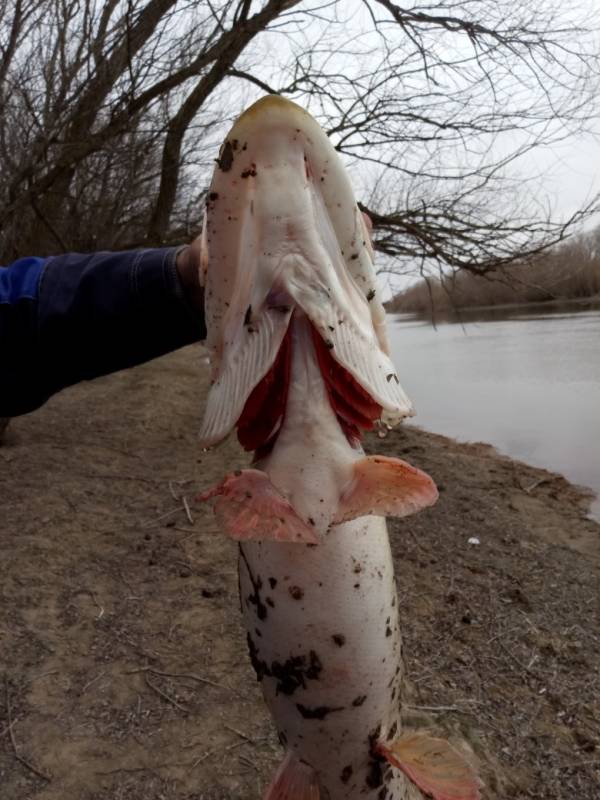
283, 235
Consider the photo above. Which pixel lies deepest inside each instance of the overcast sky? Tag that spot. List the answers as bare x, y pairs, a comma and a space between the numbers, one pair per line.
571, 173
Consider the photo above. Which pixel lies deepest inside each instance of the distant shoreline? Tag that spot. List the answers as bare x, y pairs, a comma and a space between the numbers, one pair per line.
592, 300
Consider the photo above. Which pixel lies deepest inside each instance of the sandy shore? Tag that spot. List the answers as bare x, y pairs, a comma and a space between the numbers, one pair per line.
124, 665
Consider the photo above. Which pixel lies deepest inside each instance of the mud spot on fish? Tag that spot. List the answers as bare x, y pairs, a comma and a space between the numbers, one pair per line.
272, 582
282, 738
371, 295
358, 701
316, 712
251, 172
393, 730
296, 592
254, 597
295, 672
225, 159
213, 196
260, 667
269, 602
248, 316
383, 793
339, 639
374, 777
346, 774
388, 631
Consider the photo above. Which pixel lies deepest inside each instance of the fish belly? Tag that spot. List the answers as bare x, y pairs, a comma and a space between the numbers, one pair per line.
324, 640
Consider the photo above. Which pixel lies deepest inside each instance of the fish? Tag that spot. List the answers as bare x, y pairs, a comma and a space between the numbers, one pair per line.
300, 367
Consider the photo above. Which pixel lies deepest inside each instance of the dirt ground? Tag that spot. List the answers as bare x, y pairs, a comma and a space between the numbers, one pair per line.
123, 665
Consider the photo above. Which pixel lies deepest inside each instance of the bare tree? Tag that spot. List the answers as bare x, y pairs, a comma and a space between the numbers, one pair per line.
111, 113
570, 271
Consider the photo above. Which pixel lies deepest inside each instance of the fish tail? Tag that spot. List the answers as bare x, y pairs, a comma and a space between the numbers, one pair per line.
294, 780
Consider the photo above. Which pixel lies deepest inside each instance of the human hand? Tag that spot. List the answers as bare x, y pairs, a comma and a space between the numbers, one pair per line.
188, 266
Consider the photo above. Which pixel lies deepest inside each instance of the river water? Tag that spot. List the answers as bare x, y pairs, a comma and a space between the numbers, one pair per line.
527, 381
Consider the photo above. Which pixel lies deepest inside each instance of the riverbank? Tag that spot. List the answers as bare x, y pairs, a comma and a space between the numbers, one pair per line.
125, 665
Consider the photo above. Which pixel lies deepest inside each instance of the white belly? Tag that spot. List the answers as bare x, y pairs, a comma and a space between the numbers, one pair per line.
324, 639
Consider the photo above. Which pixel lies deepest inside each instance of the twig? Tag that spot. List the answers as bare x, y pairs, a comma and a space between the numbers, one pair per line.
204, 757
164, 695
239, 733
153, 768
439, 709
187, 510
247, 762
174, 494
179, 675
126, 769
44, 674
90, 683
214, 750
93, 596
6, 730
13, 742
537, 483
170, 513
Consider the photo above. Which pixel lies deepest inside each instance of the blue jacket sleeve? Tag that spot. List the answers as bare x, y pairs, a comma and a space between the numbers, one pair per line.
74, 317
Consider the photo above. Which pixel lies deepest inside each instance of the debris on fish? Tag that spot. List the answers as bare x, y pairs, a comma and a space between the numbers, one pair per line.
300, 366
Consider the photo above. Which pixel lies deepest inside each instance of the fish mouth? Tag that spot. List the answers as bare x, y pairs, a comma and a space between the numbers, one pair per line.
283, 234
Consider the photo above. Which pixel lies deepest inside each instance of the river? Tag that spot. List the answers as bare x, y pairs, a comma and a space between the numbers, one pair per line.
527, 381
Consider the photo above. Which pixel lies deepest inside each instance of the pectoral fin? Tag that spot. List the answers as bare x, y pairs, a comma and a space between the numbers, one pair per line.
249, 507
385, 487
433, 765
294, 780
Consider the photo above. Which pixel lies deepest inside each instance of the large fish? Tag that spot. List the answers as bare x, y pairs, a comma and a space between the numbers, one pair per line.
300, 366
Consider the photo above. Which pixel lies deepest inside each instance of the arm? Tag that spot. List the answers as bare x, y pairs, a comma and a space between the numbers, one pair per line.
74, 317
